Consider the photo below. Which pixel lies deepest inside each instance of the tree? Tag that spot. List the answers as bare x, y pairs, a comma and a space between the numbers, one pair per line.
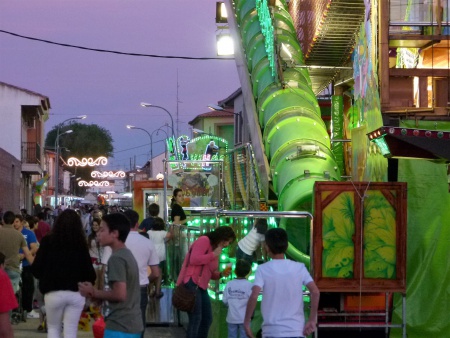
87, 140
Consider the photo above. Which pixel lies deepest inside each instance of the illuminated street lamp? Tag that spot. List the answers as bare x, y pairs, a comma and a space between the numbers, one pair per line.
151, 145
215, 107
224, 45
80, 117
57, 164
149, 105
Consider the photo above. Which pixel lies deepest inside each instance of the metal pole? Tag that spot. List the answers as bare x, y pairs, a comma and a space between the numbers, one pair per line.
171, 118
81, 117
57, 168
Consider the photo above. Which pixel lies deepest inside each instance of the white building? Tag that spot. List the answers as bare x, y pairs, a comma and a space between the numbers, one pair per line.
23, 113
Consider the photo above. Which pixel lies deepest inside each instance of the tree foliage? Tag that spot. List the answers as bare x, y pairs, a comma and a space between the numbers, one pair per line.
86, 140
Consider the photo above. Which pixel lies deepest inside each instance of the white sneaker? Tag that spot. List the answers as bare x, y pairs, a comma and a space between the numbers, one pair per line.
33, 315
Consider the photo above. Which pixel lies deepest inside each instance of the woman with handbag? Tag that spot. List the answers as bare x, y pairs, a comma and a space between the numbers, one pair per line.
200, 265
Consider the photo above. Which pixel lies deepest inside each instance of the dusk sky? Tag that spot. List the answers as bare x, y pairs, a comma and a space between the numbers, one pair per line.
109, 87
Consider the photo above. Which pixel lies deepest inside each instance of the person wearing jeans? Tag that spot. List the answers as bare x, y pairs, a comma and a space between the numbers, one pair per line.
66, 307
201, 318
199, 267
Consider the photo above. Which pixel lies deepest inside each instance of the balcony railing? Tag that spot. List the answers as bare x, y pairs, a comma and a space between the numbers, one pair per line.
31, 152
418, 16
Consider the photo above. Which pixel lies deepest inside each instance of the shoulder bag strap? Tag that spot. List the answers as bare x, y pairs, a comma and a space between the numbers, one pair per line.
187, 264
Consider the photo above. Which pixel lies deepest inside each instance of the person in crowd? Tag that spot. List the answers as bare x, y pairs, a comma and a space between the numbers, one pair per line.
247, 246
200, 265
235, 296
281, 281
147, 224
63, 261
8, 301
24, 212
178, 217
48, 211
27, 276
31, 223
159, 236
42, 228
86, 221
146, 256
99, 254
11, 241
121, 296
177, 214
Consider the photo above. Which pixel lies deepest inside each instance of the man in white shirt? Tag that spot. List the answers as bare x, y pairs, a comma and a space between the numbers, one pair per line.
146, 256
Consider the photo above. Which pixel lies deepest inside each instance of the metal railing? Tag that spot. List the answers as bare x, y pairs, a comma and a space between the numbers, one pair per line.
31, 152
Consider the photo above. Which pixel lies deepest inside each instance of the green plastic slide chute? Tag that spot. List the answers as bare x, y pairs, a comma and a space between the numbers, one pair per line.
295, 137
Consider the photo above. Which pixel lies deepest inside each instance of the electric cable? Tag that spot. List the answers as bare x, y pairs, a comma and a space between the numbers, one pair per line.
114, 51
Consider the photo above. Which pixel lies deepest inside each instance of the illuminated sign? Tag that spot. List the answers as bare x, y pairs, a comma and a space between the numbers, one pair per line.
106, 174
265, 20
202, 148
93, 184
73, 161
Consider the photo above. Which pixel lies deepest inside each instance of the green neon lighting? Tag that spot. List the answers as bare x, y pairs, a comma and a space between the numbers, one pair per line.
265, 20
271, 222
384, 148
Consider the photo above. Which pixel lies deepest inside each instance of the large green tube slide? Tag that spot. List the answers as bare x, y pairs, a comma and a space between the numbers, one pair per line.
295, 137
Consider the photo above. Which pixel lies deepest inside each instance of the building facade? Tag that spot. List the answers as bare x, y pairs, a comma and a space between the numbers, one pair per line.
22, 164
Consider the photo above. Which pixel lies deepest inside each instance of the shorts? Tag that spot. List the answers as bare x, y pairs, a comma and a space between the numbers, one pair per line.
119, 334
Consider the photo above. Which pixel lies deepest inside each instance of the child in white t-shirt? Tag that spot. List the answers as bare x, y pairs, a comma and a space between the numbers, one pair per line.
235, 296
159, 236
281, 281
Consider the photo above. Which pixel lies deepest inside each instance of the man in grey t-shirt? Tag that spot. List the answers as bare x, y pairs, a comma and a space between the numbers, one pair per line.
122, 296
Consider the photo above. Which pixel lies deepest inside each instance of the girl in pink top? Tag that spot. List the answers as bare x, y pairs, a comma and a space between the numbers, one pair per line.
200, 265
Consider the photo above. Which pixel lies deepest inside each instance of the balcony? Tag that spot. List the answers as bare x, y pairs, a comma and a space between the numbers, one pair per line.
31, 158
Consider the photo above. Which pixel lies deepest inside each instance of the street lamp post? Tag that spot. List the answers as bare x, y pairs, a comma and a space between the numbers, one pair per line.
215, 107
57, 164
149, 105
151, 145
80, 117
237, 121
165, 142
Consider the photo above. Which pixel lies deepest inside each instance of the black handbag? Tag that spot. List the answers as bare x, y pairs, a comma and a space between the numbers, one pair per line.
183, 299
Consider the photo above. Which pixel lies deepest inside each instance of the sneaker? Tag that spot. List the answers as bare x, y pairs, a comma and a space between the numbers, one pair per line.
33, 315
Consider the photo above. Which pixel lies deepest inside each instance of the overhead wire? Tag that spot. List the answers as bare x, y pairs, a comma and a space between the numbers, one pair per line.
114, 51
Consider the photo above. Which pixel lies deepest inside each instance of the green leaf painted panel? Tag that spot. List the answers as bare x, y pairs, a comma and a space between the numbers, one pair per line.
379, 236
338, 228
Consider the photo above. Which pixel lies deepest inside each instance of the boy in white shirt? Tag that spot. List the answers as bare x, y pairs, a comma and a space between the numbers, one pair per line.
235, 296
281, 282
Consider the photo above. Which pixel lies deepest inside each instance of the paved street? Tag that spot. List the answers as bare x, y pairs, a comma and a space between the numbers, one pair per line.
29, 330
